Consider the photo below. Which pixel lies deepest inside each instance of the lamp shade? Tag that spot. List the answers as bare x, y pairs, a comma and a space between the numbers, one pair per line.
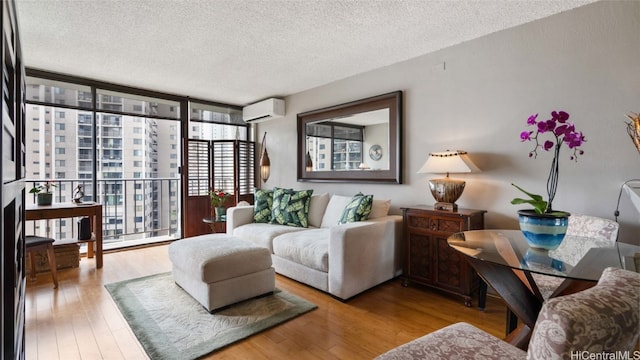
446, 162
265, 166
446, 190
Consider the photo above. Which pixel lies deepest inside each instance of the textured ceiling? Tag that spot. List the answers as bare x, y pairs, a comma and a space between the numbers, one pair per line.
242, 51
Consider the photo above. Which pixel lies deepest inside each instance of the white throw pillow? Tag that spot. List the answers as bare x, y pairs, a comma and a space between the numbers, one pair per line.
317, 209
380, 208
336, 206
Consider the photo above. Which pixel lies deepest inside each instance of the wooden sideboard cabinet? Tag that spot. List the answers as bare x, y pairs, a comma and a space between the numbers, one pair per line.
429, 260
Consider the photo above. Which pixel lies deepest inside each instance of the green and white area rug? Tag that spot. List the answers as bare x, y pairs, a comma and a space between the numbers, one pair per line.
170, 324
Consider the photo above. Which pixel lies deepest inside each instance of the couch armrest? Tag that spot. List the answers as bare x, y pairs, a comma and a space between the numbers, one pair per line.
364, 254
238, 215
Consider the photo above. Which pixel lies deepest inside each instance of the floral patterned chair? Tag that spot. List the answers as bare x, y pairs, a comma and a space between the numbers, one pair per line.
602, 319
601, 233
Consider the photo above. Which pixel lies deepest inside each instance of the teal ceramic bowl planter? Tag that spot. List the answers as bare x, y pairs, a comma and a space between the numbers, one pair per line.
543, 231
536, 258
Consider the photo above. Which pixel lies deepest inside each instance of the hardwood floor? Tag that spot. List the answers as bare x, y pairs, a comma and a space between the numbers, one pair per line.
79, 320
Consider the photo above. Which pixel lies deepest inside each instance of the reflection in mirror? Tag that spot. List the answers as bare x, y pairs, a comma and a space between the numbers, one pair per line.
358, 141
355, 142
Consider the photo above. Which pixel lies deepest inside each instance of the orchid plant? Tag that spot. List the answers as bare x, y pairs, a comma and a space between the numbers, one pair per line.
562, 132
45, 187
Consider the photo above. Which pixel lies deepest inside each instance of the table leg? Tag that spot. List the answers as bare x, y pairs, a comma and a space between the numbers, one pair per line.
90, 249
482, 295
518, 297
512, 321
570, 286
520, 337
97, 229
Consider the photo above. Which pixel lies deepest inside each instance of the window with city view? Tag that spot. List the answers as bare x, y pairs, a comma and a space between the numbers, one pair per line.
334, 146
125, 153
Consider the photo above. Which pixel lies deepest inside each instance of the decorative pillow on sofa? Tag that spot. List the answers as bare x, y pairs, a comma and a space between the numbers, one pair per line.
380, 208
334, 210
263, 205
357, 209
291, 207
317, 208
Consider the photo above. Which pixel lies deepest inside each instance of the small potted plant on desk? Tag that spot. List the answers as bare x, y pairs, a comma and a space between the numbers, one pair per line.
44, 196
218, 199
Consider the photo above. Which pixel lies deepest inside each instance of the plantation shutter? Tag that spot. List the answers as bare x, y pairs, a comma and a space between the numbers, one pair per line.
223, 166
198, 175
246, 169
233, 163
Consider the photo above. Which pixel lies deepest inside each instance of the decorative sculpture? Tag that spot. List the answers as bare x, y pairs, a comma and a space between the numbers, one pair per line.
78, 195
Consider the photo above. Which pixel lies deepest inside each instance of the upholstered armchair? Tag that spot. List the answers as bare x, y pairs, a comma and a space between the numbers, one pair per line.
601, 233
602, 319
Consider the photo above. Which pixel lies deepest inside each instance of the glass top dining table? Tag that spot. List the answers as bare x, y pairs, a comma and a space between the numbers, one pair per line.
505, 261
577, 257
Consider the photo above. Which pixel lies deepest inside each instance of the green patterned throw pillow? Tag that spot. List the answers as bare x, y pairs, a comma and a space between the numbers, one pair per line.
263, 205
291, 207
358, 209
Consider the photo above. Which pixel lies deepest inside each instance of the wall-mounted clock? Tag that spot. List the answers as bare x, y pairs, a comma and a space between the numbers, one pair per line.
375, 152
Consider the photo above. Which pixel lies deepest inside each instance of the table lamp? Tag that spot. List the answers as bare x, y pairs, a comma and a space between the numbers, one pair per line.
446, 190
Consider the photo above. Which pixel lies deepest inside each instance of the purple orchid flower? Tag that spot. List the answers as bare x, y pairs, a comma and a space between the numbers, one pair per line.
562, 132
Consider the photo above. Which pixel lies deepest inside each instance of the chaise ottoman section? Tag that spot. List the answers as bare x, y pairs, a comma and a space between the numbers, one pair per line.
218, 270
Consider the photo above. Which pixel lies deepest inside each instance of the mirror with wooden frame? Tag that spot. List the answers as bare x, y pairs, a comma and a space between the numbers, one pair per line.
359, 141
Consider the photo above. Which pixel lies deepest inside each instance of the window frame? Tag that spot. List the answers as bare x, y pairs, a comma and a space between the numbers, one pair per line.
90, 105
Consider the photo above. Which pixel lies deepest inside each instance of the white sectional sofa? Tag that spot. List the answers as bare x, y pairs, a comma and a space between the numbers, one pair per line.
343, 260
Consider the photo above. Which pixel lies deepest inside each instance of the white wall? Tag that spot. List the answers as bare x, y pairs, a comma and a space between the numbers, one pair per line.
376, 135
476, 96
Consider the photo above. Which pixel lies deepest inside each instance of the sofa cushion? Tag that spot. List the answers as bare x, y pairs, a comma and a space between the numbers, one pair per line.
358, 209
291, 207
336, 206
263, 205
309, 248
263, 234
317, 207
380, 208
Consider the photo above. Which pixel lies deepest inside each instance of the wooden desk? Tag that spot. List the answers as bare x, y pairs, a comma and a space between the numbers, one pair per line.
68, 210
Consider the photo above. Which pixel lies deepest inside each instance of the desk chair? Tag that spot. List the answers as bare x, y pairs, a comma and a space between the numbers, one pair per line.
35, 243
601, 319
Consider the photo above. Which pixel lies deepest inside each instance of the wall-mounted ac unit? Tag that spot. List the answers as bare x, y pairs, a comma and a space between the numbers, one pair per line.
264, 110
